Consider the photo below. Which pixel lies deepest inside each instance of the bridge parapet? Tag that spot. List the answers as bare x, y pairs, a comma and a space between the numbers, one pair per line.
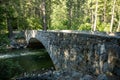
90, 52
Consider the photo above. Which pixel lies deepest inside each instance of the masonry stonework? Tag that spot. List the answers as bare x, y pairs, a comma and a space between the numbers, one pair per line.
92, 53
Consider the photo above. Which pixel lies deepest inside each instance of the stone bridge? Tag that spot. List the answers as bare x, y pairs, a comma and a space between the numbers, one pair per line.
90, 52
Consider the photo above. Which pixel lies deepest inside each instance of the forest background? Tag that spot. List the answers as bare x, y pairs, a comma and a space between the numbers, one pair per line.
93, 15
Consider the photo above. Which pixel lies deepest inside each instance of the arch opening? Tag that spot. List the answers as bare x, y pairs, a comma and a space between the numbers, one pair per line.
35, 44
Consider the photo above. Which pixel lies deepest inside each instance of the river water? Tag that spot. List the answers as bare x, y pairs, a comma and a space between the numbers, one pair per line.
29, 60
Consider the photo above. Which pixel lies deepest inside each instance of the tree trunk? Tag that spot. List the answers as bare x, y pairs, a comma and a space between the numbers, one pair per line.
78, 9
92, 20
104, 11
44, 17
112, 17
10, 30
49, 12
69, 14
95, 21
92, 16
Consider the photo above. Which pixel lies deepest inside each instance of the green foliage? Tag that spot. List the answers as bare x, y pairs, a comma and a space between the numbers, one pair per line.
60, 25
3, 42
9, 69
34, 23
23, 24
3, 37
2, 18
103, 27
60, 14
86, 26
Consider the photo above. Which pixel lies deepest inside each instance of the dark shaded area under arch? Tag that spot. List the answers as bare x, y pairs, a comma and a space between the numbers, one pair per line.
35, 44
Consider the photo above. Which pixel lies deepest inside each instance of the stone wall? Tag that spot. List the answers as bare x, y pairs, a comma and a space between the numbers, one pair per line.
88, 52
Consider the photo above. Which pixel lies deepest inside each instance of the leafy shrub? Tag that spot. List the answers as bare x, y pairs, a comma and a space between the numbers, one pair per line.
34, 23
3, 42
104, 27
9, 69
86, 26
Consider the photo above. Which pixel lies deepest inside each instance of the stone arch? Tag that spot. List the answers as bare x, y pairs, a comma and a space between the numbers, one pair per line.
37, 43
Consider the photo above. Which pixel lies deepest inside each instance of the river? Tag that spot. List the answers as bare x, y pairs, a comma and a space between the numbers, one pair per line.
29, 60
